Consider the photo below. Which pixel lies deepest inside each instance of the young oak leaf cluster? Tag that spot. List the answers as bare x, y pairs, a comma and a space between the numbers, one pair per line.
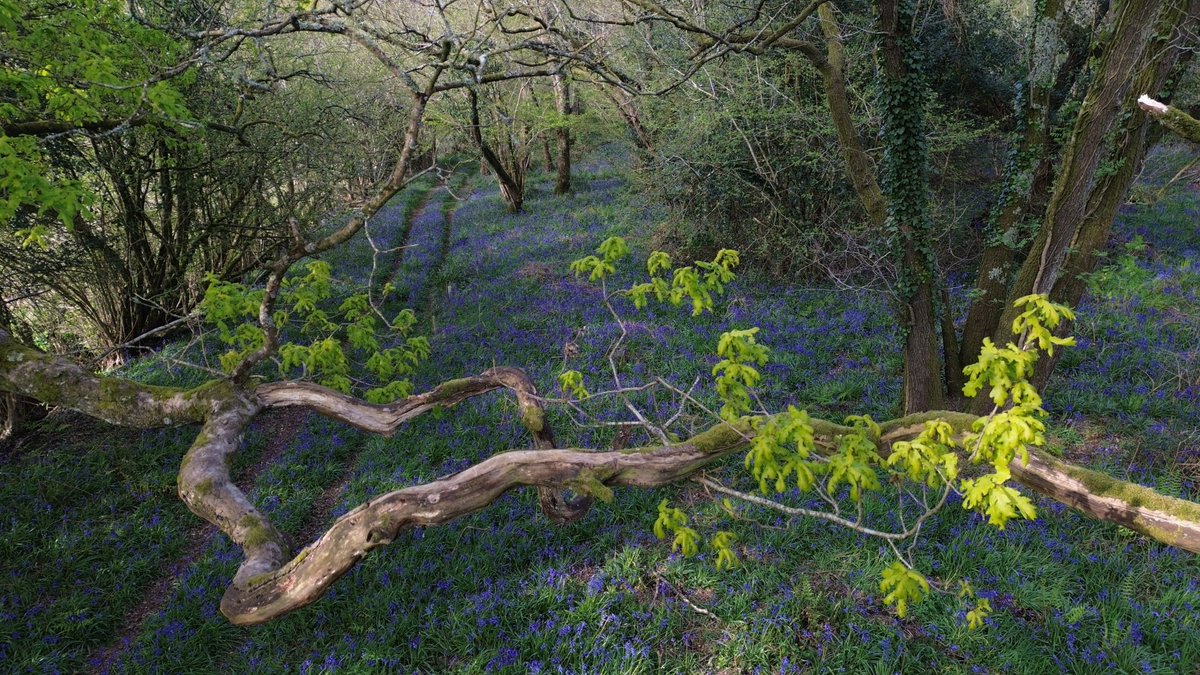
783, 447
571, 383
735, 372
673, 521
1018, 420
853, 461
930, 458
335, 336
697, 283
903, 586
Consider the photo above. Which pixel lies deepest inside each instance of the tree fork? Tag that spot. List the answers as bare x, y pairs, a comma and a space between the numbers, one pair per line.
511, 189
1089, 227
1107, 144
1027, 180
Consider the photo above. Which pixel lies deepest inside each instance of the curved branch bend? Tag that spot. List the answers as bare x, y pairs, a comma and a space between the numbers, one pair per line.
385, 419
379, 521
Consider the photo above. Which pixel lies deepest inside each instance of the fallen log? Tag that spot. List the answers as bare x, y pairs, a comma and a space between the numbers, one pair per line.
268, 585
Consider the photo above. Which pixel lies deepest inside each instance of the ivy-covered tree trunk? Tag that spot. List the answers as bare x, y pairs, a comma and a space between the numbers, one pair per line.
905, 182
1106, 149
1027, 176
562, 135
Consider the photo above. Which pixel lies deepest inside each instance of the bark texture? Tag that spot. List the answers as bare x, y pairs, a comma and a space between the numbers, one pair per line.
859, 165
1106, 152
1107, 145
562, 135
1026, 180
627, 108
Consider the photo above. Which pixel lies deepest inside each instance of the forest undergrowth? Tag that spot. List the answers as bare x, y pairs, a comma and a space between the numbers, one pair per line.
89, 519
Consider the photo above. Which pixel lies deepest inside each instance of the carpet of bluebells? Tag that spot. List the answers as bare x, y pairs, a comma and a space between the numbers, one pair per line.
89, 519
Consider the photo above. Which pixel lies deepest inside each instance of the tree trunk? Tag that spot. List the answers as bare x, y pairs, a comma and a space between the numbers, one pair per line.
628, 110
562, 101
906, 186
1106, 150
512, 191
860, 168
1028, 176
14, 408
950, 350
547, 156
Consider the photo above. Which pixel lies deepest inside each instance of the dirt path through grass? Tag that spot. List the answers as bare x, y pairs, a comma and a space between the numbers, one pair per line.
412, 214
281, 428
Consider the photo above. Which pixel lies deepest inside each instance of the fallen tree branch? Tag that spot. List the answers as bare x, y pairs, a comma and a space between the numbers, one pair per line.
59, 382
1183, 124
385, 419
267, 586
379, 521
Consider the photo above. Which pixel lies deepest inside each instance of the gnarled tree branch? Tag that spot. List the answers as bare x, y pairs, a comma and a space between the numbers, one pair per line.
380, 520
60, 382
267, 586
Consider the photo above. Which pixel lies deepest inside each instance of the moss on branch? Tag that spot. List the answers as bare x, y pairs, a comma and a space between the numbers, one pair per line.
268, 586
59, 382
1178, 121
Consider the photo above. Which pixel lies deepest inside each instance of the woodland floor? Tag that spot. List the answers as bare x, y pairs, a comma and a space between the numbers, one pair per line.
103, 569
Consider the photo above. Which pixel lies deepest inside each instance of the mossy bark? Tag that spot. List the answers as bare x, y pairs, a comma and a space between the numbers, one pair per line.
1106, 144
562, 135
380, 521
1182, 124
57, 381
1105, 153
860, 168
1027, 180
